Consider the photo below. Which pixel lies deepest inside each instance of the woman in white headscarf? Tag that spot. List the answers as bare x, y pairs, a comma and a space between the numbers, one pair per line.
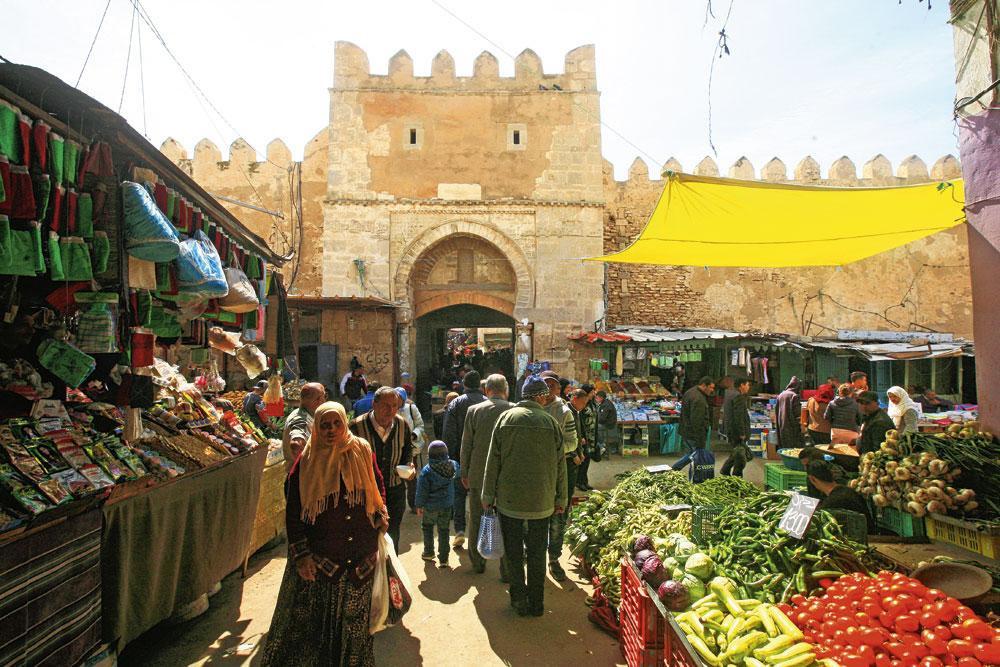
903, 410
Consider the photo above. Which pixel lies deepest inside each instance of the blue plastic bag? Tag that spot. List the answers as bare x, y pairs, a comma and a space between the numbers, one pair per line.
199, 269
702, 466
148, 234
490, 542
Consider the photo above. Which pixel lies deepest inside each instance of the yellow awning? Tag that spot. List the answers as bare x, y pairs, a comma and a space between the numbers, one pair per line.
704, 221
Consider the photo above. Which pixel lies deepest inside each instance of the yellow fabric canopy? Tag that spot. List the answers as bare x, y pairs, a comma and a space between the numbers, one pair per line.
704, 221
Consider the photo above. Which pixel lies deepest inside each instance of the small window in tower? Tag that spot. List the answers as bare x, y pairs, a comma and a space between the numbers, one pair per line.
413, 136
517, 137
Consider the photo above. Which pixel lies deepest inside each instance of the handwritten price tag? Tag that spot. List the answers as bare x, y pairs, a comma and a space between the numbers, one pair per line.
800, 511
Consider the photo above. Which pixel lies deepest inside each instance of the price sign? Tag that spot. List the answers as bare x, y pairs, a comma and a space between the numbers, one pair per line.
800, 511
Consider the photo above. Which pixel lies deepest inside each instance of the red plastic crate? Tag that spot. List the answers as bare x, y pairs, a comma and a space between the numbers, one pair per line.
637, 655
641, 623
677, 652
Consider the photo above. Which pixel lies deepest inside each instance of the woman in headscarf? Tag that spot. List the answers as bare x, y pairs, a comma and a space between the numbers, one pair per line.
903, 410
819, 425
789, 416
334, 513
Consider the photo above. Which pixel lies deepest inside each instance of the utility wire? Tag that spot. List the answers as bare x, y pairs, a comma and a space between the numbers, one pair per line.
128, 57
721, 48
91, 49
142, 81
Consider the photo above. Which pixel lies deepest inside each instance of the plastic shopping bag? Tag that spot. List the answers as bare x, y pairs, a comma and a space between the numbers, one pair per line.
400, 598
379, 611
490, 540
702, 465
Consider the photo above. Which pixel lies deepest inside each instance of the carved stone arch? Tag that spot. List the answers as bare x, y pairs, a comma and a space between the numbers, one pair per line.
429, 238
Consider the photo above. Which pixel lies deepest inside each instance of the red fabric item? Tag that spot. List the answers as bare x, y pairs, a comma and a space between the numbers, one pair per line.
62, 298
55, 207
71, 199
98, 160
21, 193
24, 130
196, 218
8, 202
160, 195
84, 156
185, 215
100, 195
825, 394
40, 144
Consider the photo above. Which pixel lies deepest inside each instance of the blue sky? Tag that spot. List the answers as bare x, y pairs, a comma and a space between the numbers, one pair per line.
854, 77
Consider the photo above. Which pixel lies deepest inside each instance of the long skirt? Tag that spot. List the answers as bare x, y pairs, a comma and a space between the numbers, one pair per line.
322, 622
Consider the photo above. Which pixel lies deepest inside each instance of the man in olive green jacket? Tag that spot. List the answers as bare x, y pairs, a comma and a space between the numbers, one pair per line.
480, 420
526, 480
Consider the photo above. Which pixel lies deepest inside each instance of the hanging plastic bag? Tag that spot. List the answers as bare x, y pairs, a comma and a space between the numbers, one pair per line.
490, 543
400, 597
379, 610
228, 342
67, 362
242, 297
149, 235
199, 269
97, 330
702, 465
253, 361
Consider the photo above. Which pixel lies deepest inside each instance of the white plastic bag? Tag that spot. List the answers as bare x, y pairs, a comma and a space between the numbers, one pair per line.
490, 539
379, 611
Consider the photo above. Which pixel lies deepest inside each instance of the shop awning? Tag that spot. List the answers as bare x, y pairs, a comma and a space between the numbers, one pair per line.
705, 221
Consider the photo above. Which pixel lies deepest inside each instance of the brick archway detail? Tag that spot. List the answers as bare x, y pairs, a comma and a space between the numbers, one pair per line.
462, 228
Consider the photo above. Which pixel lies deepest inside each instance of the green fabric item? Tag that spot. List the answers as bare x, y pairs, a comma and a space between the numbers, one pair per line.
3, 190
171, 203
253, 268
85, 216
43, 190
205, 224
162, 277
71, 163
5, 241
164, 322
226, 317
10, 144
67, 362
143, 307
55, 258
76, 259
102, 249
250, 320
36, 238
203, 527
57, 155
22, 259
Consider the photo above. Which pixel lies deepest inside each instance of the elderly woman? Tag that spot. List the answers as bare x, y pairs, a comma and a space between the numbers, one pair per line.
334, 514
903, 410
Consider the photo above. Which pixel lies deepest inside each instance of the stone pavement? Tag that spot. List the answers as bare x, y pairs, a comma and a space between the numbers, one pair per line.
457, 617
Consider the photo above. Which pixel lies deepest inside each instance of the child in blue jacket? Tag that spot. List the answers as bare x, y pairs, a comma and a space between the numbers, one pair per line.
435, 499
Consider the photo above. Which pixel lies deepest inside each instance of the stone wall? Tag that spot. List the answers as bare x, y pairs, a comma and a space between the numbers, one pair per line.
923, 284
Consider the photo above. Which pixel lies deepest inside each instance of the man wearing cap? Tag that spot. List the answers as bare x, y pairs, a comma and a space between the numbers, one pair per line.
525, 479
563, 414
253, 403
299, 423
875, 423
454, 424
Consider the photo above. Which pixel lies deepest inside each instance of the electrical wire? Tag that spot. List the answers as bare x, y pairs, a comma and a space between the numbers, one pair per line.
128, 56
142, 82
721, 48
91, 49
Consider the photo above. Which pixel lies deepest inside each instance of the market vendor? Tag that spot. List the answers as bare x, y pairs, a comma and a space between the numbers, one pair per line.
253, 405
902, 410
930, 401
837, 496
299, 423
875, 423
808, 455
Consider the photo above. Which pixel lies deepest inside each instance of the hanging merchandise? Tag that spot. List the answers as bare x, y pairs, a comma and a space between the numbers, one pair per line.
226, 341
142, 348
85, 215
149, 235
163, 322
252, 359
97, 331
619, 361
67, 362
57, 155
102, 250
21, 254
55, 258
9, 143
22, 193
274, 400
40, 143
199, 269
242, 297
42, 186
76, 259
5, 199
141, 274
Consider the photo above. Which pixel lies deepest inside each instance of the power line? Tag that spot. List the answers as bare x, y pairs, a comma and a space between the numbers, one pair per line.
142, 82
91, 49
721, 48
128, 57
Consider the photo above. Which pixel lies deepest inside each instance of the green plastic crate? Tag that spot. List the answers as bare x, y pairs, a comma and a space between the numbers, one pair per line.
901, 523
780, 478
703, 521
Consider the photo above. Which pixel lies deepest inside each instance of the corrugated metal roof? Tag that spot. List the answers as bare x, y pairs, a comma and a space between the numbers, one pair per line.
656, 335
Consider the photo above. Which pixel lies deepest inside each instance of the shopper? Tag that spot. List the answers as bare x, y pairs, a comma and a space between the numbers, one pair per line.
836, 496
525, 479
253, 405
299, 422
727, 385
435, 500
738, 430
580, 404
902, 410
874, 424
819, 426
479, 423
364, 404
563, 414
389, 436
844, 416
696, 420
454, 424
607, 421
788, 412
354, 384
859, 380
333, 515
409, 411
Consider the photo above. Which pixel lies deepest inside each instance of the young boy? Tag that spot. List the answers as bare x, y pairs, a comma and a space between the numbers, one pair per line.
435, 499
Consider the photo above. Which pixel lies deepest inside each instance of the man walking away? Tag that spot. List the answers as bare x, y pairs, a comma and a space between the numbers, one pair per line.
696, 419
525, 479
738, 430
454, 424
585, 428
563, 414
480, 420
729, 391
789, 416
299, 423
607, 421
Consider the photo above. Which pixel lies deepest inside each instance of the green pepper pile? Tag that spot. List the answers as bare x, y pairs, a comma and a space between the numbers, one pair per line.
723, 491
772, 566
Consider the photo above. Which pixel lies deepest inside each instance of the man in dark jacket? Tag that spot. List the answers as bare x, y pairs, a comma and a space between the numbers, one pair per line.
607, 420
875, 423
454, 424
789, 416
737, 429
696, 419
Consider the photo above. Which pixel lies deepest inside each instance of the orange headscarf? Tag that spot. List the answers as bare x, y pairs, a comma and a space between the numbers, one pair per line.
325, 472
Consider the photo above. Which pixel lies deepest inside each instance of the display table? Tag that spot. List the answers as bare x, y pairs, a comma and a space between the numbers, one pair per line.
50, 592
164, 548
269, 521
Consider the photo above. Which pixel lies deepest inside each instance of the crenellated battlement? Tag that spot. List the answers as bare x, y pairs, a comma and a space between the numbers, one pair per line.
352, 72
842, 172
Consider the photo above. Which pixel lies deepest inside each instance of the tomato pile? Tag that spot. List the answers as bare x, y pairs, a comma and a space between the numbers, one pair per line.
891, 620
